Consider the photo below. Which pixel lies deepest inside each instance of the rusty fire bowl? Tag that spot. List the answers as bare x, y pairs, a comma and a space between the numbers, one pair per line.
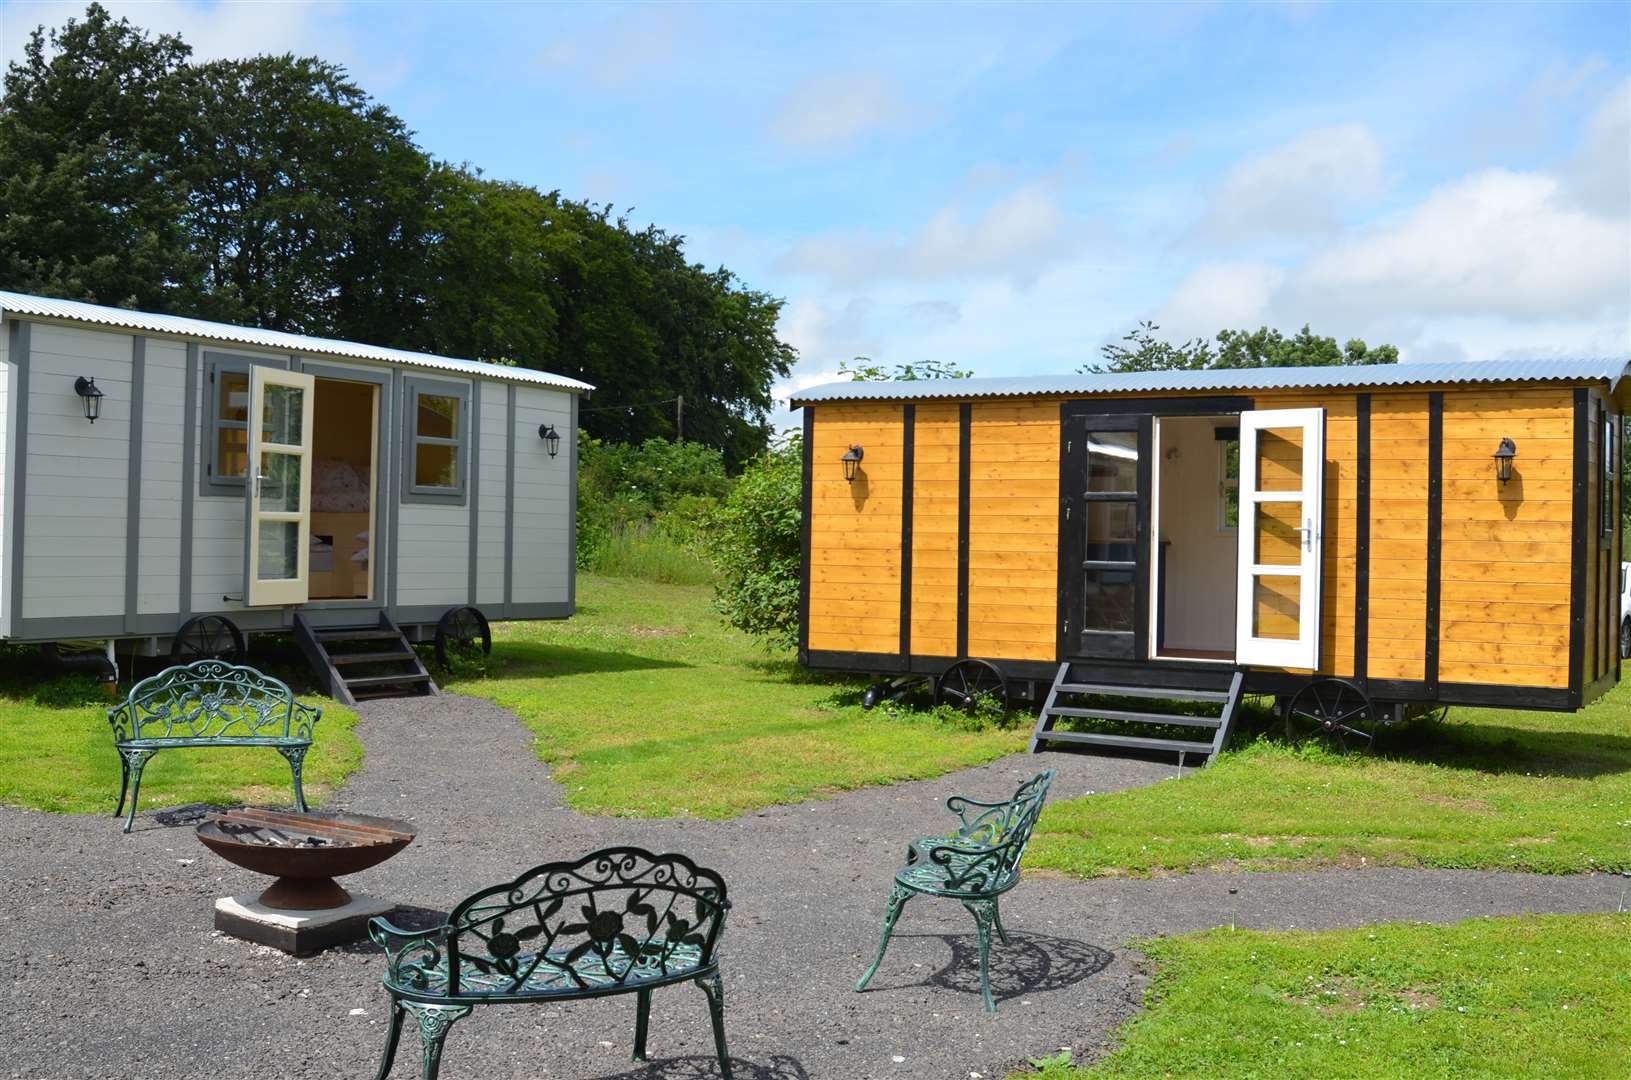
304, 852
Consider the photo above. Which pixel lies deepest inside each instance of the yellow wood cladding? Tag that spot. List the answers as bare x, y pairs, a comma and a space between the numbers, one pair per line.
1505, 556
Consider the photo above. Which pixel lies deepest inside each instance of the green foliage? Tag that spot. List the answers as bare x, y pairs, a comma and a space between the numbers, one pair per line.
755, 545
651, 553
865, 369
274, 191
652, 499
1142, 350
1526, 996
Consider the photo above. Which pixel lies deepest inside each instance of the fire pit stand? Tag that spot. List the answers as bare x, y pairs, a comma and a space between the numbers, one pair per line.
304, 909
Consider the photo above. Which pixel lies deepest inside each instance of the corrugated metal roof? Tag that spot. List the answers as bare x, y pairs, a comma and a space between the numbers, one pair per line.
1214, 379
177, 326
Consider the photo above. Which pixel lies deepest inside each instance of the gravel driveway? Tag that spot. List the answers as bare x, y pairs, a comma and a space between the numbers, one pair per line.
115, 971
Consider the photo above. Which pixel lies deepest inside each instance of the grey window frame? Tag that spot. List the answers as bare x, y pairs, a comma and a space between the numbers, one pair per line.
412, 387
210, 481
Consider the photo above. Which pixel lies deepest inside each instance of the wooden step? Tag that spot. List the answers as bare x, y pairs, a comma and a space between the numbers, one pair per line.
369, 657
386, 680
1137, 717
1161, 692
1134, 742
358, 633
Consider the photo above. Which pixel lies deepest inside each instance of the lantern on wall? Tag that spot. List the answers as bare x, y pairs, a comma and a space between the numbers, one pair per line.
89, 396
1503, 459
852, 462
552, 441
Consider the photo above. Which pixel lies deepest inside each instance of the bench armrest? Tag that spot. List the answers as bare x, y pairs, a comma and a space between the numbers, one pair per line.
967, 866
407, 952
302, 718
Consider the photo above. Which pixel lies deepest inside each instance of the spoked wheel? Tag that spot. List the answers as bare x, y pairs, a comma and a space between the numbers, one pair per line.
1427, 714
1334, 710
207, 637
966, 682
462, 635
1625, 639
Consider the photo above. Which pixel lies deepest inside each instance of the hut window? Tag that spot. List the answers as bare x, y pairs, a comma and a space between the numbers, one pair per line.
1228, 440
1605, 490
436, 436
226, 419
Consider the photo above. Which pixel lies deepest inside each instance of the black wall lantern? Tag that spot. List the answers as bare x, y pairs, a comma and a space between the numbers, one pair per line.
552, 441
89, 396
1503, 459
852, 462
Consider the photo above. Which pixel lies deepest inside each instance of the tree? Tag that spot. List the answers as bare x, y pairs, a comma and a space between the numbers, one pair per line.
755, 545
1142, 350
865, 369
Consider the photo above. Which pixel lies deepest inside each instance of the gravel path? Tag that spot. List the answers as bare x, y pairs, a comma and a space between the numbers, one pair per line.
116, 972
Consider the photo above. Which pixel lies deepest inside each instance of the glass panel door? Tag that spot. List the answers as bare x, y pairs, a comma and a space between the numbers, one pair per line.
1107, 533
1282, 481
278, 533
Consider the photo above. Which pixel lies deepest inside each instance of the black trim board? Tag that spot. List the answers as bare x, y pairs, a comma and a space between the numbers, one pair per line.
1362, 538
1061, 603
1156, 406
1435, 536
805, 513
908, 452
965, 413
1581, 538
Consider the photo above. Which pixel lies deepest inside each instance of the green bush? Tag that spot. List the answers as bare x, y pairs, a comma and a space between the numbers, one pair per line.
624, 488
650, 554
754, 545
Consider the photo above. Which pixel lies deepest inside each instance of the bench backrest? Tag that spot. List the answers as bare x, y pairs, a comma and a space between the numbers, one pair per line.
1009, 825
210, 699
585, 919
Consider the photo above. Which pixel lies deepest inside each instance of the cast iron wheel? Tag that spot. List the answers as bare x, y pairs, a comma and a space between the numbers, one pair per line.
967, 681
1334, 710
1625, 639
874, 694
207, 637
1427, 714
462, 635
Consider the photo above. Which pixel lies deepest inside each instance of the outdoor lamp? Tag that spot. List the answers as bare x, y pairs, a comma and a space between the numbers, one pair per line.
552, 441
852, 462
89, 396
1503, 459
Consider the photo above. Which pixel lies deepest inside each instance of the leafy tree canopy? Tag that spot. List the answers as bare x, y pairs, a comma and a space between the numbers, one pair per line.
274, 191
1143, 350
865, 369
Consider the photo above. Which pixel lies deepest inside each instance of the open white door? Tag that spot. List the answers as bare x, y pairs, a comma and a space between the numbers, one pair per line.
1282, 486
278, 524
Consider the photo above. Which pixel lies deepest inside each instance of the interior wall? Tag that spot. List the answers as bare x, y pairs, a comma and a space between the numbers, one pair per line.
1198, 602
342, 484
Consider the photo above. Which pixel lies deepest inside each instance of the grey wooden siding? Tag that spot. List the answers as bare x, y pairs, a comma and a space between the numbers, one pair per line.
432, 543
542, 542
6, 518
158, 586
492, 462
73, 517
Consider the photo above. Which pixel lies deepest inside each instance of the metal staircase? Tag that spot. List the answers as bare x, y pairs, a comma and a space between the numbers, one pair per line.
1081, 694
357, 663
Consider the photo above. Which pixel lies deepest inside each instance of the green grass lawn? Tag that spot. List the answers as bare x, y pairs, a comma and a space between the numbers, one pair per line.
56, 752
646, 705
1532, 996
1545, 792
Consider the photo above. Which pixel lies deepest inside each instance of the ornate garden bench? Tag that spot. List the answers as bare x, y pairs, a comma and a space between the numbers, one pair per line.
976, 865
621, 920
208, 703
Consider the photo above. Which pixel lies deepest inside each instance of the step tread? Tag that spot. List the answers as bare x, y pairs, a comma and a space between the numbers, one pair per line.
1138, 717
1165, 693
384, 680
1134, 741
370, 657
356, 633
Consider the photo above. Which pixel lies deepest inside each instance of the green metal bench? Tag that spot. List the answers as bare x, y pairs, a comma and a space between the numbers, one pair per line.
208, 703
975, 865
618, 921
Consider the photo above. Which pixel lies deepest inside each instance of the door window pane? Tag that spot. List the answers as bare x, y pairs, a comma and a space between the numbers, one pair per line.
278, 558
282, 414
1280, 459
1277, 539
280, 482
1108, 599
1112, 461
1112, 529
1276, 606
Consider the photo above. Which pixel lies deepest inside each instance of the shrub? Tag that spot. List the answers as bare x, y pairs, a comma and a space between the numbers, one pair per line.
623, 487
754, 545
651, 554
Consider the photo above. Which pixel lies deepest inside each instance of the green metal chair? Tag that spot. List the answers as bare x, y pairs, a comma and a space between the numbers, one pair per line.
976, 865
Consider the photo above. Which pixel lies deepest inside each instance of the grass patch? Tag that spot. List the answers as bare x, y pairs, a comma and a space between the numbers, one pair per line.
646, 705
1509, 997
651, 555
1543, 792
56, 751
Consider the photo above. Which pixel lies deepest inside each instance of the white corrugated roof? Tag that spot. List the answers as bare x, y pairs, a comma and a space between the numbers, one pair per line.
176, 326
1447, 373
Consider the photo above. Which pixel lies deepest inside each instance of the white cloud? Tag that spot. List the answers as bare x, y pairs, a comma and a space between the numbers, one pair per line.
1298, 188
1600, 175
1016, 236
835, 111
632, 47
1219, 295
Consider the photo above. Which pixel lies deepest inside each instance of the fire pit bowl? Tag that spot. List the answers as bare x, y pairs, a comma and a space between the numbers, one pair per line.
304, 852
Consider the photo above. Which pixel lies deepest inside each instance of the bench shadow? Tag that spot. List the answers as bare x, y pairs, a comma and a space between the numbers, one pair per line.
1029, 964
779, 1067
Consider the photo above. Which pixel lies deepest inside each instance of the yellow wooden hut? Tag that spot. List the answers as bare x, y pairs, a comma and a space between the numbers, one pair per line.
1360, 542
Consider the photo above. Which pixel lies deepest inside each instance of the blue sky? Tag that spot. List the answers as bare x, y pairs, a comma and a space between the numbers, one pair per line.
1008, 187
